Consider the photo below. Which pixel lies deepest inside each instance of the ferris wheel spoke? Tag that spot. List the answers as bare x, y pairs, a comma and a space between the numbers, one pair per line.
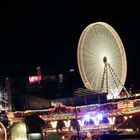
99, 45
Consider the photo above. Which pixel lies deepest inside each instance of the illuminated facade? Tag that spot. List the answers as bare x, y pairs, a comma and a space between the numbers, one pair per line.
96, 119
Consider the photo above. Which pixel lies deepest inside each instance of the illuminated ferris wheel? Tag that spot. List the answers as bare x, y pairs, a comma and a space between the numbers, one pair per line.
101, 59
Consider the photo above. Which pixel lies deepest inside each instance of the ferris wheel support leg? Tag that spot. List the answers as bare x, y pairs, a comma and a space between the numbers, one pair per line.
128, 95
113, 73
103, 79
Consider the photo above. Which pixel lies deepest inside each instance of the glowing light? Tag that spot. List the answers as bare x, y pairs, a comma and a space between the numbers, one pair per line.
20, 138
111, 120
81, 122
100, 116
96, 120
110, 96
54, 124
129, 130
71, 70
125, 117
87, 118
34, 79
67, 123
99, 40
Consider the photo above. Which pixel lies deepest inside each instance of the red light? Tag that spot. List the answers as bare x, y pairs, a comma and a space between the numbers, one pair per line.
34, 79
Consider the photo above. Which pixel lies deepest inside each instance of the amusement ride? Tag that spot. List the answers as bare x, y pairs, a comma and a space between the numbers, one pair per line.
102, 66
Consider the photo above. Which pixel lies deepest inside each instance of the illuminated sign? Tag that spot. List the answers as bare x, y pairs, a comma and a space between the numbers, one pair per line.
34, 79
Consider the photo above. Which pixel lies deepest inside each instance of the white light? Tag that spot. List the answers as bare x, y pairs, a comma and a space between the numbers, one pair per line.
71, 70
129, 130
109, 96
125, 117
111, 120
96, 120
81, 122
67, 123
100, 116
54, 124
87, 118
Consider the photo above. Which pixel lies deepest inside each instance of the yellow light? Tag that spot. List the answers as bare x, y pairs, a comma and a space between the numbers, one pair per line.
18, 132
129, 130
20, 138
67, 123
54, 124
125, 117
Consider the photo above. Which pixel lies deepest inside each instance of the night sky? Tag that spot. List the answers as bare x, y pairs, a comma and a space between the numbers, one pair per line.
46, 34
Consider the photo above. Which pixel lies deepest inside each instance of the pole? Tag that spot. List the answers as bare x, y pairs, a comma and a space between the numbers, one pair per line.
77, 123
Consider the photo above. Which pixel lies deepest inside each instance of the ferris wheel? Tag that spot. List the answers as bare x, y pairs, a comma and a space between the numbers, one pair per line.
101, 59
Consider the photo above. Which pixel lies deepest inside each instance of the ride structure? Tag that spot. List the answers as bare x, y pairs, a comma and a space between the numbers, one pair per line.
102, 60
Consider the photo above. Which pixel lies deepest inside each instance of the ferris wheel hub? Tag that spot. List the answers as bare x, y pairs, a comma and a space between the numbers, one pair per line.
105, 59
101, 59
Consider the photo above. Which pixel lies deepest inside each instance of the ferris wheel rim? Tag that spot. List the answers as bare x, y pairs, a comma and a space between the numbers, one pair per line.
119, 45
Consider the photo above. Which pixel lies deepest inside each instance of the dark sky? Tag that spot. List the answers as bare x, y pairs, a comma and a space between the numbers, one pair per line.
46, 34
